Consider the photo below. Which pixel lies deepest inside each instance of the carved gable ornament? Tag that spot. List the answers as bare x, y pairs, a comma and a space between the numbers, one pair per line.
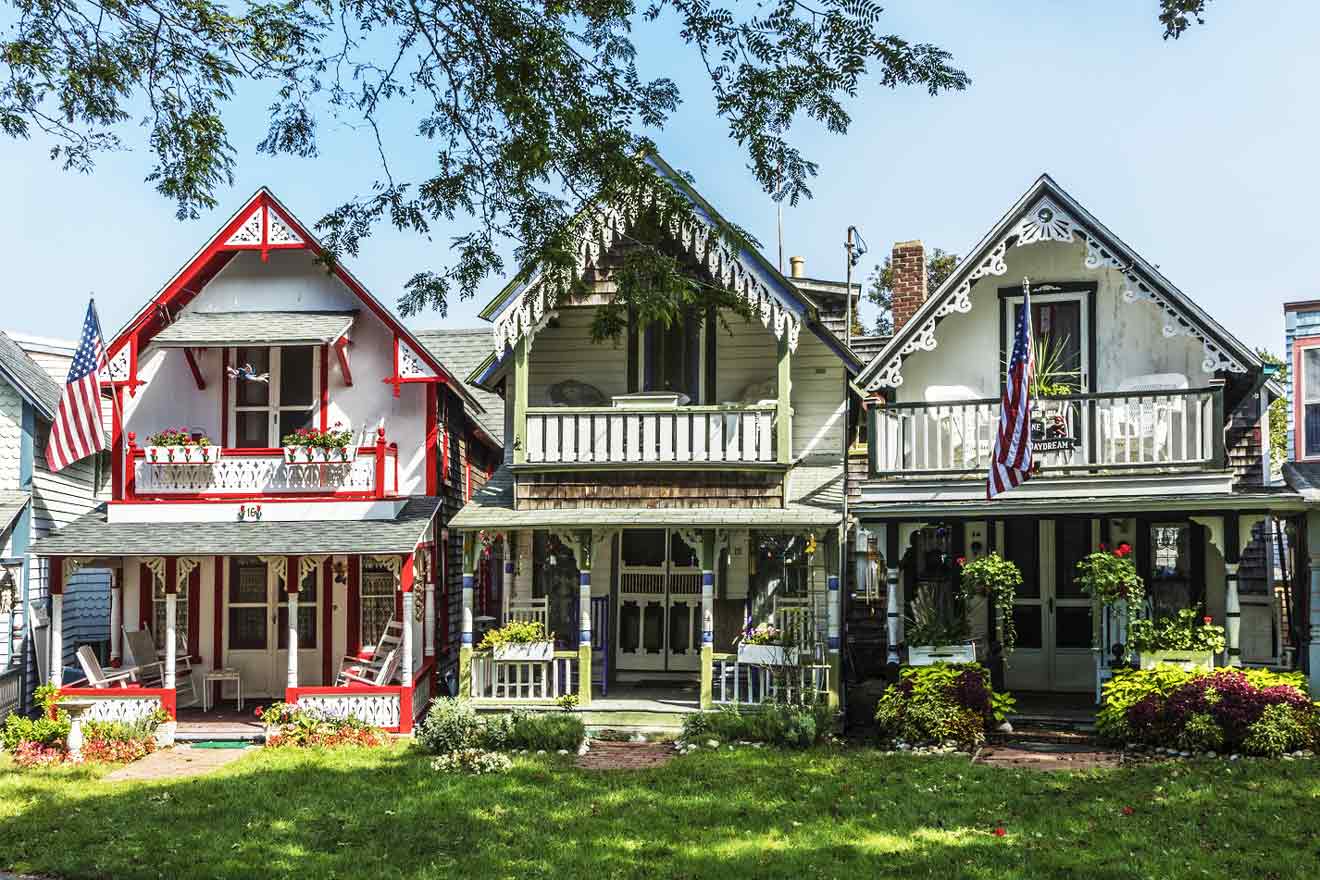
1045, 221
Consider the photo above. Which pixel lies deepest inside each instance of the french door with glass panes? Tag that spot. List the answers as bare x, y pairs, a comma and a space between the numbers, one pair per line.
1051, 613
286, 397
659, 618
257, 629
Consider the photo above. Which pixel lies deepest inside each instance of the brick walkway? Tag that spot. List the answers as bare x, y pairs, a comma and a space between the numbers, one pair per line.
176, 763
606, 755
1042, 756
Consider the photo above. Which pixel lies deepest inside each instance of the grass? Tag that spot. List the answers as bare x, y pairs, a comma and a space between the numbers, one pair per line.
750, 813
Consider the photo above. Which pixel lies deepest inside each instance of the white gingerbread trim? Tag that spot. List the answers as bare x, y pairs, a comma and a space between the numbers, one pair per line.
117, 369
411, 364
249, 233
156, 565
183, 567
280, 565
307, 565
278, 230
1047, 221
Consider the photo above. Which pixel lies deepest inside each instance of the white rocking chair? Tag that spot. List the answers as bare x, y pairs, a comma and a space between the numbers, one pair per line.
141, 647
383, 659
97, 677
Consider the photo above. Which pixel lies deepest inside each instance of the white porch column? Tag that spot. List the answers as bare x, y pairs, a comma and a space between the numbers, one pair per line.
428, 628
406, 664
506, 587
116, 616
292, 622
707, 555
584, 558
56, 659
1313, 647
1232, 614
892, 602
171, 632
465, 633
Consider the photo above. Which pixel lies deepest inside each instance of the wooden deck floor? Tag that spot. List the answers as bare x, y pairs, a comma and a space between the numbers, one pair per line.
224, 721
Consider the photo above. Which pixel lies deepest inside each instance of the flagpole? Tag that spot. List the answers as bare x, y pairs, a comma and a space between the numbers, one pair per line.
105, 361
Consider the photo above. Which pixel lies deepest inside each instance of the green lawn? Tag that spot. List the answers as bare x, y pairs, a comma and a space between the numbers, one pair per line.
750, 813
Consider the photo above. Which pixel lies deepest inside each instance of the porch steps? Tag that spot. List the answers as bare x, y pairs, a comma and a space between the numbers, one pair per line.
1047, 732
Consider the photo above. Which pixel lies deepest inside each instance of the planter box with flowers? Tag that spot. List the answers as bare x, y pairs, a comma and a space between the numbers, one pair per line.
763, 646
1185, 640
929, 655
180, 446
314, 446
524, 641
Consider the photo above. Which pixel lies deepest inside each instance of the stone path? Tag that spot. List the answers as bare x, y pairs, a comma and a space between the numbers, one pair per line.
1048, 756
176, 763
605, 755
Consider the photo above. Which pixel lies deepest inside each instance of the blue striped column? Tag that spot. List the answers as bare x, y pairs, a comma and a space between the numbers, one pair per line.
833, 613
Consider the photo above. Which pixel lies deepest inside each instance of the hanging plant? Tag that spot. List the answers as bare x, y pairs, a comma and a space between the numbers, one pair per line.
995, 578
1110, 577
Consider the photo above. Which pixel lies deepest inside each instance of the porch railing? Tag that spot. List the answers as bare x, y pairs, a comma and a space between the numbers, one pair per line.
685, 434
10, 690
1082, 432
373, 472
735, 683
531, 680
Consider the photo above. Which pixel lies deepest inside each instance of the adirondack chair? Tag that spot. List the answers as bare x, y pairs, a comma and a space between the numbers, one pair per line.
369, 672
97, 677
141, 647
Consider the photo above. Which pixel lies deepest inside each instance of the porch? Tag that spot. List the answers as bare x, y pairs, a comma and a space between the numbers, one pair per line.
286, 615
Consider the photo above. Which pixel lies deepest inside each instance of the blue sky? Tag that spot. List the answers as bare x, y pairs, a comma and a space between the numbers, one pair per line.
1199, 153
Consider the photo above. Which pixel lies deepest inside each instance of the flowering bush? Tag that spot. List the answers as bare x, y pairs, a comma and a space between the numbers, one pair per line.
996, 578
1252, 711
1109, 577
49, 729
42, 741
301, 727
765, 634
516, 632
177, 437
34, 754
453, 726
941, 703
1186, 631
475, 761
315, 438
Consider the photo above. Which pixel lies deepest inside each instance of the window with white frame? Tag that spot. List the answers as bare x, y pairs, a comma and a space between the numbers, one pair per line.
264, 411
1309, 390
158, 613
377, 600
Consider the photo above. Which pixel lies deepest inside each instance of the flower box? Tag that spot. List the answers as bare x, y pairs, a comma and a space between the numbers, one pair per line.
181, 454
319, 454
526, 652
1185, 660
767, 655
929, 655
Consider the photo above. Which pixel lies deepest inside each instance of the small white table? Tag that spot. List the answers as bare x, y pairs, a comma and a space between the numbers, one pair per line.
222, 675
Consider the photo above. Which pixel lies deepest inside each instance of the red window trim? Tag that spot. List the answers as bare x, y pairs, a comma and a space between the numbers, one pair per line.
1300, 344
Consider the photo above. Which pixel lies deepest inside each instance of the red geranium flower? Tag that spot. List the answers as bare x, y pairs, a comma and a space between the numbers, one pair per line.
999, 831
1104, 547
1207, 620
1128, 811
1123, 550
259, 712
960, 561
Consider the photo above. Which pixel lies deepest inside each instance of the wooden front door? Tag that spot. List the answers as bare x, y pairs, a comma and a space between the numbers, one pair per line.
256, 628
658, 624
1051, 613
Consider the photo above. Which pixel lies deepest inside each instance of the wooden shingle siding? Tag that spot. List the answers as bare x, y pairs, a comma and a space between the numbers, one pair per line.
1243, 445
659, 489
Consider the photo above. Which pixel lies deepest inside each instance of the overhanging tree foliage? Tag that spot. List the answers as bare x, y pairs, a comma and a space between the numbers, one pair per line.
530, 110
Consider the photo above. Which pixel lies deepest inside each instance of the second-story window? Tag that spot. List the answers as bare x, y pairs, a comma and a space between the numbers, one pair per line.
1310, 402
264, 412
671, 358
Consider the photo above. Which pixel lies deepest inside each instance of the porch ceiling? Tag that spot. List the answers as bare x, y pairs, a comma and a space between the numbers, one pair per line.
1282, 501
92, 535
815, 500
202, 329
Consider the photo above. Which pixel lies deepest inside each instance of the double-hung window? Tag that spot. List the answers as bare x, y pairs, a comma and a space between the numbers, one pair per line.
283, 400
1308, 391
377, 600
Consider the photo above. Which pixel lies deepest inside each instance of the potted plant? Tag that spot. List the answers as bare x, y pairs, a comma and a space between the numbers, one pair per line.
1051, 383
521, 640
1187, 640
1110, 578
180, 446
994, 577
766, 645
314, 446
937, 630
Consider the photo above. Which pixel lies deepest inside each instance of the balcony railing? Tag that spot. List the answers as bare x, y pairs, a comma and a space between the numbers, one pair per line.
1084, 432
372, 472
684, 434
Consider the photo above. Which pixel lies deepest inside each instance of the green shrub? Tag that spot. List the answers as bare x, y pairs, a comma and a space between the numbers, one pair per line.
779, 724
1201, 733
941, 703
1279, 729
516, 632
534, 732
450, 726
49, 729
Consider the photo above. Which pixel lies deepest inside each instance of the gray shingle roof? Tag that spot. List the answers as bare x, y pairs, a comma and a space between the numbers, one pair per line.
461, 350
254, 328
11, 504
815, 500
92, 535
28, 377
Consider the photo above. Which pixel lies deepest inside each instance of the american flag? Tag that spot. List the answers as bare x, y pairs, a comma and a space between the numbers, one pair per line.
1010, 466
77, 432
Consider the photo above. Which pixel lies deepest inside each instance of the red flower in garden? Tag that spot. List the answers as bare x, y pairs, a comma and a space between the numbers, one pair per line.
1207, 620
960, 561
258, 712
1104, 547
1123, 550
1128, 811
999, 831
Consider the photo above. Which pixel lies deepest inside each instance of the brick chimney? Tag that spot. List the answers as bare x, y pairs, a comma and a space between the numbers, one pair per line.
909, 267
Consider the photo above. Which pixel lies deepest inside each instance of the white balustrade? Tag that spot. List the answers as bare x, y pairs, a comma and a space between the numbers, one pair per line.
735, 683
1120, 430
243, 473
540, 680
685, 434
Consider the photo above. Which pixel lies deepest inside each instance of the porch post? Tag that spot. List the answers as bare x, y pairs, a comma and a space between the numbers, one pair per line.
832, 640
506, 587
291, 586
1313, 646
707, 618
520, 386
171, 619
406, 587
55, 654
784, 410
465, 637
887, 538
116, 615
584, 618
428, 628
1232, 602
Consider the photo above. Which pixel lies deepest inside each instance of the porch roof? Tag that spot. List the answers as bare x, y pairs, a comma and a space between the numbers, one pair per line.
11, 505
202, 329
815, 498
92, 535
1281, 500
1304, 478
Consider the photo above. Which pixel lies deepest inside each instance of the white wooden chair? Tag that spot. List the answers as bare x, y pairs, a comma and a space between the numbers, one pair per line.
1143, 430
384, 657
530, 610
142, 653
967, 427
97, 677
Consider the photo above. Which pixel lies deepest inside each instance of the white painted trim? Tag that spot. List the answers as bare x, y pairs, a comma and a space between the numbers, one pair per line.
271, 511
1063, 488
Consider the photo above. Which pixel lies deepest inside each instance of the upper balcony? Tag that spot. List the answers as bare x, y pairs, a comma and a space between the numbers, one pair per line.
194, 473
1079, 436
